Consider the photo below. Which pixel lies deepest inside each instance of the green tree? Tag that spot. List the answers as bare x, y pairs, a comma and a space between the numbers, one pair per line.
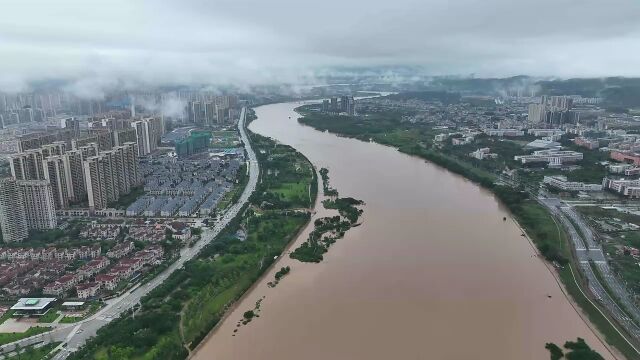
555, 351
577, 350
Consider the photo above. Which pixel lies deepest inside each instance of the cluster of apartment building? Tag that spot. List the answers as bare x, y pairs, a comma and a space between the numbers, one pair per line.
553, 110
346, 105
50, 178
212, 110
25, 205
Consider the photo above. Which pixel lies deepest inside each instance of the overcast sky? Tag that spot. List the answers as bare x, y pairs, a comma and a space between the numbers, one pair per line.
99, 44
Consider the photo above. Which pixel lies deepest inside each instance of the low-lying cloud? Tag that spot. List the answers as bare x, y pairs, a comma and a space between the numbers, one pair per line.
95, 46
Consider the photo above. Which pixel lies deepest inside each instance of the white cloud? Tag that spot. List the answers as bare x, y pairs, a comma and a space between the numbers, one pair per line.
97, 45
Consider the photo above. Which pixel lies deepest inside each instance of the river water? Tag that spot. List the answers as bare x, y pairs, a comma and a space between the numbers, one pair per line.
433, 272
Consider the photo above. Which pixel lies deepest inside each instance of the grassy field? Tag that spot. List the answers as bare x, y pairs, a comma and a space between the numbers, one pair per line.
50, 316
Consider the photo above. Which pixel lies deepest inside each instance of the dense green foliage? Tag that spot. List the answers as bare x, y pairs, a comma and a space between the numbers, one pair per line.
328, 229
326, 188
575, 350
184, 308
346, 207
282, 272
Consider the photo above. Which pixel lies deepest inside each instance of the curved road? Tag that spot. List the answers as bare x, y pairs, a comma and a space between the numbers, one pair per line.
73, 336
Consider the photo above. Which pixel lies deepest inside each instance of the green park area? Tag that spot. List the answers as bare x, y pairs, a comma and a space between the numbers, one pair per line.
179, 313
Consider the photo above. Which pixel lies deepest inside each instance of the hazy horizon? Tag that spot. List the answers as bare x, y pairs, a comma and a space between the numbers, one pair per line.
92, 47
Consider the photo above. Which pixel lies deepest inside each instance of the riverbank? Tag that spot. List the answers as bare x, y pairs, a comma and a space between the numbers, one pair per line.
533, 218
176, 316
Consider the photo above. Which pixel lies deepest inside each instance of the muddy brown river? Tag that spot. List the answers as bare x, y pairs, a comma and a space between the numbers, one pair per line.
433, 272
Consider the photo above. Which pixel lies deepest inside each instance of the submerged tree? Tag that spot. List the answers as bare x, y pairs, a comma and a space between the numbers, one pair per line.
576, 350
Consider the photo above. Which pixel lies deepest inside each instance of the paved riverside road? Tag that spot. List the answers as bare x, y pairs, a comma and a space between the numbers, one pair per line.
588, 250
75, 335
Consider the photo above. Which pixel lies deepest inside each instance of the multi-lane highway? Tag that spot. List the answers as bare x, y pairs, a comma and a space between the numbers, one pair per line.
75, 335
589, 251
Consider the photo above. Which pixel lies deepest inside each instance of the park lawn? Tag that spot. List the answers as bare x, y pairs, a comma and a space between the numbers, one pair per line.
70, 319
6, 338
293, 192
50, 316
266, 230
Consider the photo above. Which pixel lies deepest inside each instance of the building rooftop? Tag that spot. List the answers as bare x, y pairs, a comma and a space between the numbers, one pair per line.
542, 144
32, 303
72, 303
